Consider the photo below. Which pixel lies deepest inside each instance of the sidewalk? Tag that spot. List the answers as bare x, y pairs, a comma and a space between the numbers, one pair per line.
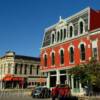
89, 98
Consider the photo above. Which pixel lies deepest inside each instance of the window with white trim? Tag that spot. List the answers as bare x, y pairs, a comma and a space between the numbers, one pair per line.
45, 60
71, 52
94, 49
53, 58
82, 52
61, 56
81, 27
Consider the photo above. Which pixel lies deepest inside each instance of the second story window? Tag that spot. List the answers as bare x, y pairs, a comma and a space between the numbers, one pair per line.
25, 69
9, 68
82, 52
31, 69
45, 60
94, 49
53, 58
61, 56
21, 67
71, 52
16, 67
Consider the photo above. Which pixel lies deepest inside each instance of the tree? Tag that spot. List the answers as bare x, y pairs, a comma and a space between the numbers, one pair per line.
88, 73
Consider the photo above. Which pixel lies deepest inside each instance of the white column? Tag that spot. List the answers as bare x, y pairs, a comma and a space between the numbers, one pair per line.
80, 86
48, 79
72, 82
57, 77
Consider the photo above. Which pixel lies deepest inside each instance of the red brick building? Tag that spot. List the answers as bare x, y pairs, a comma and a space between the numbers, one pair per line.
69, 42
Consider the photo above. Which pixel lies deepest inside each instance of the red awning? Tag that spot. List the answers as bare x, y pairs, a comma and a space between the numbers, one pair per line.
12, 78
8, 77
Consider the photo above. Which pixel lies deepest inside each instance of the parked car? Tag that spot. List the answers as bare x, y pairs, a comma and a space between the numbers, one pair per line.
60, 91
41, 92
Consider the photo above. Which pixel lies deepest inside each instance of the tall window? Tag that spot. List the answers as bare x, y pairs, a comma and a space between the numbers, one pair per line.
58, 34
81, 27
64, 33
71, 31
61, 36
71, 55
82, 52
53, 58
37, 70
16, 66
61, 57
21, 66
53, 38
9, 68
94, 49
25, 70
45, 60
31, 67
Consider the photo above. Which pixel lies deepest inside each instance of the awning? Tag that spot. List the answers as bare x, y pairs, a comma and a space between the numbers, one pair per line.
8, 77
12, 78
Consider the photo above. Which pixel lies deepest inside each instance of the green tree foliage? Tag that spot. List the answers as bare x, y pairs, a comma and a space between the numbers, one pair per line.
88, 73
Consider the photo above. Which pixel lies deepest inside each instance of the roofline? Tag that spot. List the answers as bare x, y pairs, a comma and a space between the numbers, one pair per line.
70, 17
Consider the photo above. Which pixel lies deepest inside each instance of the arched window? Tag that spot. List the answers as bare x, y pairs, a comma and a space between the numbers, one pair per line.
81, 27
82, 52
58, 34
61, 36
64, 33
71, 31
71, 54
45, 60
53, 58
61, 57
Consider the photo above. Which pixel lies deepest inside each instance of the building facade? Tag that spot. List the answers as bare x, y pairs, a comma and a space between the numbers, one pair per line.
18, 71
71, 41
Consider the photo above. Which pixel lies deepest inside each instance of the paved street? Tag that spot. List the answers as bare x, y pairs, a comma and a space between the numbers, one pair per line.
16, 96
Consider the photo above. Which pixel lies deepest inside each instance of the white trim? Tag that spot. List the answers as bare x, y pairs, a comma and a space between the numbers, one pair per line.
52, 52
61, 49
89, 10
45, 54
81, 44
70, 47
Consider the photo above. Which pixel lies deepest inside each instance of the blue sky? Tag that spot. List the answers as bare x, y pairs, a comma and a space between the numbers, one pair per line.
22, 22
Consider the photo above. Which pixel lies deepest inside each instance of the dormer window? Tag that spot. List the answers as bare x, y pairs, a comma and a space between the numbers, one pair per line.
61, 36
71, 30
58, 35
53, 38
64, 33
81, 27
